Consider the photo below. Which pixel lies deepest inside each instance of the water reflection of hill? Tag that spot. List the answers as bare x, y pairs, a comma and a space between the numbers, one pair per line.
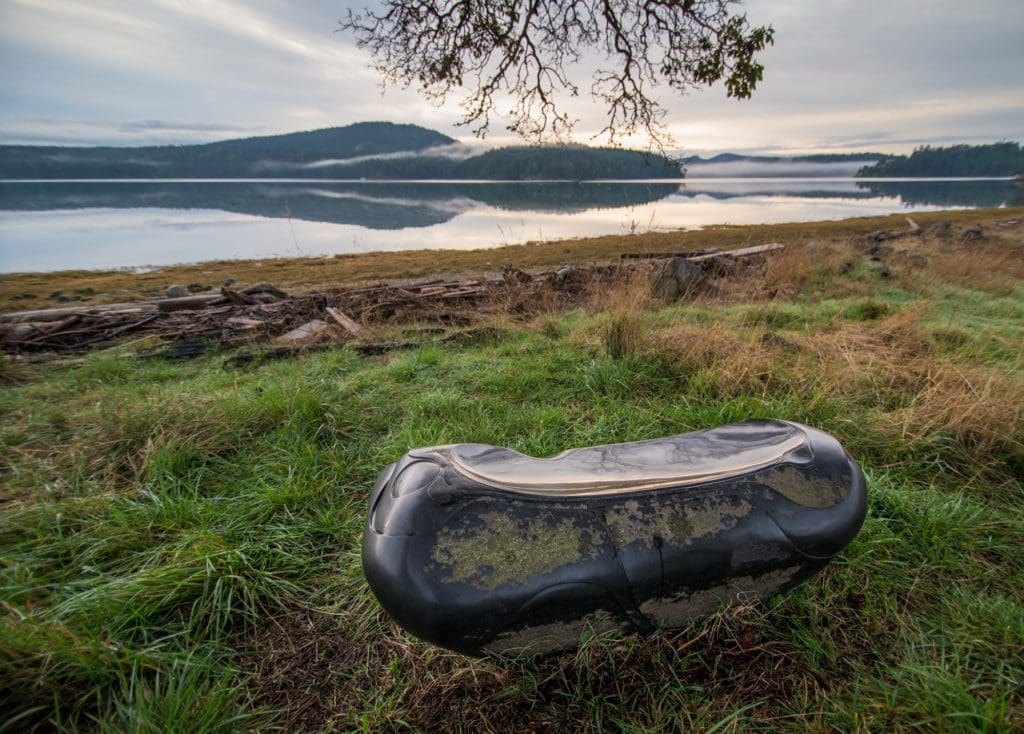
404, 205
980, 193
371, 205
808, 189
950, 193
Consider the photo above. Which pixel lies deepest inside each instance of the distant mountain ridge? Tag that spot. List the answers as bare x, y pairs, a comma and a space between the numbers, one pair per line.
371, 150
359, 139
1002, 159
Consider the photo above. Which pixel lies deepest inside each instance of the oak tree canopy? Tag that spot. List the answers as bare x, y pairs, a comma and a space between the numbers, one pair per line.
528, 50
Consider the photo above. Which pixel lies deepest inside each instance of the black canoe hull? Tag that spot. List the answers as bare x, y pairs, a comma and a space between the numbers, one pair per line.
479, 568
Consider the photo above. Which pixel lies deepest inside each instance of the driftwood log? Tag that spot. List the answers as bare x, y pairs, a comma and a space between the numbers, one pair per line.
262, 311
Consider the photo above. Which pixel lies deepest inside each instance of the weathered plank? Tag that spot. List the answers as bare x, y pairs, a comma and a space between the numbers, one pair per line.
344, 321
63, 312
740, 252
188, 303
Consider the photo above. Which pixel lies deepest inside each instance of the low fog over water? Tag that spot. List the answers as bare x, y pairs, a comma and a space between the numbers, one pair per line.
771, 169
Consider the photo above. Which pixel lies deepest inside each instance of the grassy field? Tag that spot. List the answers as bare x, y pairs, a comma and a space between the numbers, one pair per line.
180, 540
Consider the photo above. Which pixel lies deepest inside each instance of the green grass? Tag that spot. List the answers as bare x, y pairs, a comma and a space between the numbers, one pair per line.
179, 542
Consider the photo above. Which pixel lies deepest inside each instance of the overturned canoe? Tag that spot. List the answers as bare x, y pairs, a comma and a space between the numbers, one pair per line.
482, 549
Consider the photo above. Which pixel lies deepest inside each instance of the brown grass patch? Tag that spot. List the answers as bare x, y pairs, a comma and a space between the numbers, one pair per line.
735, 364
889, 366
628, 290
892, 364
806, 264
625, 296
995, 265
982, 409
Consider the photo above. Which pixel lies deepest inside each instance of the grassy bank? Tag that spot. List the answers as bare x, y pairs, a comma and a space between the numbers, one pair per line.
180, 541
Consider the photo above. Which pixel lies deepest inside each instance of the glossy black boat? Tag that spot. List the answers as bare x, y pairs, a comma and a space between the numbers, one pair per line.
482, 549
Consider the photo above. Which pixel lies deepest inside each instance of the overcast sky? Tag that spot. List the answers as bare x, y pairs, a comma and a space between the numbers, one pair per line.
843, 75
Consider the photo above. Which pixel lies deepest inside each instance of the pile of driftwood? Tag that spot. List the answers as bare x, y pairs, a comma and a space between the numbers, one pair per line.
262, 312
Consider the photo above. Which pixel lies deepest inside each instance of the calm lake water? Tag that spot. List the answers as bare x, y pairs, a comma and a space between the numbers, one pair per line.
108, 224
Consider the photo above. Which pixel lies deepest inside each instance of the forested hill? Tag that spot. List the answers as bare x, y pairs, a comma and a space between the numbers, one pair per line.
360, 139
566, 162
372, 150
266, 156
996, 159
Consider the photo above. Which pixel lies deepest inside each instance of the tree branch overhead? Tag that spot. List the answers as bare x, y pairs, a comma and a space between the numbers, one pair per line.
527, 49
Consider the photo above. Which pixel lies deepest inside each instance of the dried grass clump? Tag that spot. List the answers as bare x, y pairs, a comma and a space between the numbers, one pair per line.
628, 290
625, 297
902, 331
806, 264
623, 334
892, 365
889, 367
733, 364
995, 266
982, 409
785, 273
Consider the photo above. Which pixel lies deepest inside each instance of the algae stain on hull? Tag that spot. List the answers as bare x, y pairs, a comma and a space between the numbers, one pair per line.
797, 487
679, 523
552, 637
676, 611
502, 549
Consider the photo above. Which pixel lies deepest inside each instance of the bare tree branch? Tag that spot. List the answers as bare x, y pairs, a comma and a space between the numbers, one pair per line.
526, 49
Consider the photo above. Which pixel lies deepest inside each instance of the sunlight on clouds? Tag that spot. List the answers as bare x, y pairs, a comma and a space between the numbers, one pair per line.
86, 16
239, 19
837, 77
812, 130
73, 29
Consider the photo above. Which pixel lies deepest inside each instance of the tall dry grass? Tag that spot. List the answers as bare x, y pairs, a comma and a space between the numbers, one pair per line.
624, 297
995, 265
919, 382
731, 363
805, 264
891, 367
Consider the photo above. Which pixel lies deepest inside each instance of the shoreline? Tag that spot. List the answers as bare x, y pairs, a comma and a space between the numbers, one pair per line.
527, 181
32, 290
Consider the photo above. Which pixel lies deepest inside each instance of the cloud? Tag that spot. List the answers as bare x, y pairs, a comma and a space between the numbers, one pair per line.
161, 71
49, 131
